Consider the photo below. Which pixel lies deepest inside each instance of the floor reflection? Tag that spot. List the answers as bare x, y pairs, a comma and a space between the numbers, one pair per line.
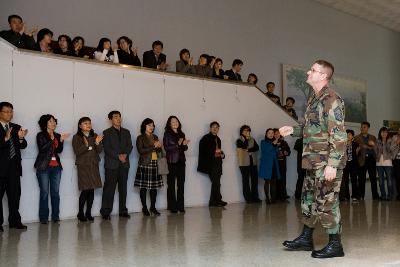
238, 235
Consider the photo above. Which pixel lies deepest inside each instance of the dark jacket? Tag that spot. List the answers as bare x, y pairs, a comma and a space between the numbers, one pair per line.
183, 67
21, 41
233, 76
298, 146
87, 161
203, 70
150, 61
363, 150
84, 156
283, 147
45, 149
175, 152
353, 164
207, 160
114, 143
5, 150
274, 98
221, 74
145, 147
58, 51
128, 58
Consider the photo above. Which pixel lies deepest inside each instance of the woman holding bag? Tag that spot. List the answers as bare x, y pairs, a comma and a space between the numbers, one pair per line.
147, 176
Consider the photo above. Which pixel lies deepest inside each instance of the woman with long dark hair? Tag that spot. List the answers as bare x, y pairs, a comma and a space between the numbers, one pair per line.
147, 178
48, 167
175, 145
87, 146
78, 43
105, 52
218, 72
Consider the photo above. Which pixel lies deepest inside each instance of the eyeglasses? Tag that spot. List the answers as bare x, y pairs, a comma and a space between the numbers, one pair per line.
313, 70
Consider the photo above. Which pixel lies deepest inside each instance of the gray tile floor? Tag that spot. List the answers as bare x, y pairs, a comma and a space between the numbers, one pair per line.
240, 235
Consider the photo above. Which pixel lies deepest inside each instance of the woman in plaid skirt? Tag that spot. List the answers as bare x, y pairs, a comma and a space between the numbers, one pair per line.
147, 177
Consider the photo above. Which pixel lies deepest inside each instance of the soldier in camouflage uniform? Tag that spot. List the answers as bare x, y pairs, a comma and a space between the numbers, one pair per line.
324, 146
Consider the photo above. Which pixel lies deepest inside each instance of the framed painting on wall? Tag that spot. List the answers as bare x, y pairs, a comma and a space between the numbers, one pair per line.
352, 90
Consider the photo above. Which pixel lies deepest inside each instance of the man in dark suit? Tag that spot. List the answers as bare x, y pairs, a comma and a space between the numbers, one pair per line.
233, 74
17, 35
12, 139
117, 144
154, 58
210, 163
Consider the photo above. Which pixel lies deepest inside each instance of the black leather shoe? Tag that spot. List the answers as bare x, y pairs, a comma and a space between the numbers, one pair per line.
125, 215
182, 210
106, 217
81, 217
43, 221
303, 242
222, 204
89, 217
333, 249
1, 229
145, 212
257, 200
19, 226
155, 212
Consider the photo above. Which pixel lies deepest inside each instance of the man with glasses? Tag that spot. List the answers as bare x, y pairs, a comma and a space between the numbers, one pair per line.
12, 139
324, 147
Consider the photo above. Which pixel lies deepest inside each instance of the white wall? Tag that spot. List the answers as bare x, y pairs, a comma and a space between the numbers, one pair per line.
71, 88
264, 33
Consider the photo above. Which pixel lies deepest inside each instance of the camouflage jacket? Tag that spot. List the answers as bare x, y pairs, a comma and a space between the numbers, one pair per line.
324, 134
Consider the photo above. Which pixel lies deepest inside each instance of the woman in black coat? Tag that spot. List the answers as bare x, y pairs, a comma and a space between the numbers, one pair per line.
175, 144
48, 167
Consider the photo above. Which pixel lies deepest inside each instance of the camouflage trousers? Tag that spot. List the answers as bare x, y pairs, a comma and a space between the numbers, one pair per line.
320, 201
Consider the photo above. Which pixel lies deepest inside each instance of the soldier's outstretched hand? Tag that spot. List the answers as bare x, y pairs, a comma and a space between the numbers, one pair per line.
286, 130
330, 173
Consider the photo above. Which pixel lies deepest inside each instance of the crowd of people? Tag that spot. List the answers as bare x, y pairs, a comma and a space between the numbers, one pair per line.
157, 158
379, 157
125, 53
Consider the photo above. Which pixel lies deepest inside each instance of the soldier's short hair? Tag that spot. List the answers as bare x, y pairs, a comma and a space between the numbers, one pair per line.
327, 65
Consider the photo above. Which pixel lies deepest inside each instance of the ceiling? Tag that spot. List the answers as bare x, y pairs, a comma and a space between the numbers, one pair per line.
382, 12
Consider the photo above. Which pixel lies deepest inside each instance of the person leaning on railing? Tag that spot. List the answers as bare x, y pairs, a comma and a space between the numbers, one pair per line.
17, 35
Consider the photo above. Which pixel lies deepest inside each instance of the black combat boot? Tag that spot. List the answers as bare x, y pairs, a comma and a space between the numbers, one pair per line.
303, 242
334, 248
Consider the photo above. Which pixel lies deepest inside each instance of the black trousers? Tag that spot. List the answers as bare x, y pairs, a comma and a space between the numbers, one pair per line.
349, 173
86, 197
281, 192
396, 175
114, 176
299, 184
176, 186
11, 185
250, 182
370, 167
215, 195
